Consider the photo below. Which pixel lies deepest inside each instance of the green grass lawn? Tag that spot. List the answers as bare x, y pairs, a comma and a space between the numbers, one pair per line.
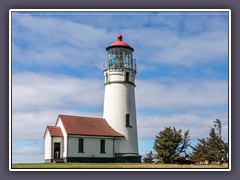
109, 166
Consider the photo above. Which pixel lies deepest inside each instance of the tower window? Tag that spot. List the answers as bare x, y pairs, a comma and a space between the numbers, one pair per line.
80, 145
128, 120
106, 77
102, 146
127, 76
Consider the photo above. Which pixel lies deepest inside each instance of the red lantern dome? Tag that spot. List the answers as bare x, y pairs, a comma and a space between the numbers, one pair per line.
119, 43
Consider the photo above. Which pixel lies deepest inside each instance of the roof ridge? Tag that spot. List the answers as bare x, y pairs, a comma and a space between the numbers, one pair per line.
82, 116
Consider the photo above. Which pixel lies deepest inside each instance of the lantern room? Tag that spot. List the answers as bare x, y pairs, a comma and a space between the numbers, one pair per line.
120, 55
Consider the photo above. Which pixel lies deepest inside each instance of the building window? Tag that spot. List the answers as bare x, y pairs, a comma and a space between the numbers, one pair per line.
127, 76
106, 77
102, 146
80, 145
128, 120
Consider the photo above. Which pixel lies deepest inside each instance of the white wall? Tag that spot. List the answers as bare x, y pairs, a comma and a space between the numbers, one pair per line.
91, 147
48, 143
59, 124
119, 100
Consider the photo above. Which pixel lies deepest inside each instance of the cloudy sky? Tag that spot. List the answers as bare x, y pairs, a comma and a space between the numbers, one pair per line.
57, 68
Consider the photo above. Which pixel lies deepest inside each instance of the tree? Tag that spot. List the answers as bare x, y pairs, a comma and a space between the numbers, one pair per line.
215, 147
225, 151
212, 149
200, 151
170, 145
218, 127
149, 158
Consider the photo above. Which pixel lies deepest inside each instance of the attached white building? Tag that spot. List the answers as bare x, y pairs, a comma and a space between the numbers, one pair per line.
112, 138
80, 139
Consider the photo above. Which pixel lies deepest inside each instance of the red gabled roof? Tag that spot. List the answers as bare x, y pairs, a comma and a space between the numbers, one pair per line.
77, 125
54, 131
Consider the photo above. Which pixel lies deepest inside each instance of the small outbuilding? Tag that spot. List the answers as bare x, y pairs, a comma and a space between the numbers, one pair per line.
80, 139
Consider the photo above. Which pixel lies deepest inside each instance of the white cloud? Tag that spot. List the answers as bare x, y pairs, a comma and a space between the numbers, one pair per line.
181, 95
41, 40
54, 41
157, 46
199, 127
32, 90
195, 50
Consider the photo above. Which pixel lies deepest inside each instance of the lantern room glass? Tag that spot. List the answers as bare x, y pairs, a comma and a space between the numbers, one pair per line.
121, 57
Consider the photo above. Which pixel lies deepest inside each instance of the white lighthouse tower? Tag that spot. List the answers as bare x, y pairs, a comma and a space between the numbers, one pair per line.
119, 99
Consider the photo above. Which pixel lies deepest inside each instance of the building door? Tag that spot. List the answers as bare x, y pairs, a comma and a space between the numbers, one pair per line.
57, 151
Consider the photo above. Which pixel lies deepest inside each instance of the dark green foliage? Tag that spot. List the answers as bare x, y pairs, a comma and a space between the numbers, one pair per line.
149, 158
212, 149
200, 151
218, 127
170, 145
225, 151
215, 147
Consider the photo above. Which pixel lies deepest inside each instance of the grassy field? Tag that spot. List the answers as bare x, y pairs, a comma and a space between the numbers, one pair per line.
111, 166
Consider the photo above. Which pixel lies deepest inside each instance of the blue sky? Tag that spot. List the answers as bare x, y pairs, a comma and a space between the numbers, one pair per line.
57, 68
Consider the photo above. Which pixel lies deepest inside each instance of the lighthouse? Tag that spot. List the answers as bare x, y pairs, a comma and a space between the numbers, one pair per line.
112, 138
119, 98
